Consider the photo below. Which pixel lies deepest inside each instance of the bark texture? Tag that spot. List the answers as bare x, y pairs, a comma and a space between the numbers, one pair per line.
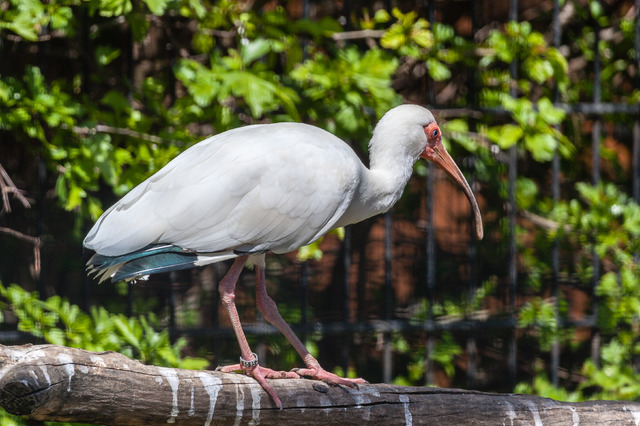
55, 383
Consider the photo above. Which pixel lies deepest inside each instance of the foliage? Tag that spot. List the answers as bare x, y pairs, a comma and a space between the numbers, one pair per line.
412, 37
239, 76
198, 68
605, 223
339, 90
446, 349
534, 113
443, 356
59, 322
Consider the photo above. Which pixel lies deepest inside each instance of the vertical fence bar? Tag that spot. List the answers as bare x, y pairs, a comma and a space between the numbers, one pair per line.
387, 360
555, 188
40, 229
636, 143
431, 240
636, 123
171, 303
472, 284
595, 146
304, 267
512, 266
41, 197
346, 260
346, 296
215, 308
636, 160
130, 74
472, 348
130, 299
431, 271
87, 47
513, 170
304, 301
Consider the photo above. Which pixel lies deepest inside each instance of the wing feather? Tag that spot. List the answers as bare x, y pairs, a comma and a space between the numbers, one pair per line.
266, 187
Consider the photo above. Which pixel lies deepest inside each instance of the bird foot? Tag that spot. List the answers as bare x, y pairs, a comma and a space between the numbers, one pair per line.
261, 374
320, 373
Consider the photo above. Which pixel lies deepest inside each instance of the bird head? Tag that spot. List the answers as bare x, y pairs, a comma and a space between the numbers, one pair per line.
435, 152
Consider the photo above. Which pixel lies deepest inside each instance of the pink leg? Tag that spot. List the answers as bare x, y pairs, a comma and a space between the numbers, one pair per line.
269, 310
227, 294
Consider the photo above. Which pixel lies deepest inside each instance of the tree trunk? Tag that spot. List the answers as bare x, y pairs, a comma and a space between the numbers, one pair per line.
55, 383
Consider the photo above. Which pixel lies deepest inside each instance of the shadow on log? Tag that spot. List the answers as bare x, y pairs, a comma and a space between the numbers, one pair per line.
56, 383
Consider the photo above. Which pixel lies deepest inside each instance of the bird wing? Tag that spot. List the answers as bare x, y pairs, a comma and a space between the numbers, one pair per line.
258, 188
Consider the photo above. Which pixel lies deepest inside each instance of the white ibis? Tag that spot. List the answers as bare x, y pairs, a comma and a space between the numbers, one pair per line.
260, 188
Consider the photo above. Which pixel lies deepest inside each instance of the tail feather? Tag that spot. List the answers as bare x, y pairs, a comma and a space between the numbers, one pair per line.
99, 261
154, 264
149, 260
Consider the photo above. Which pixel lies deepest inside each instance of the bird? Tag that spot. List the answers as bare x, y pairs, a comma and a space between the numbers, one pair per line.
263, 188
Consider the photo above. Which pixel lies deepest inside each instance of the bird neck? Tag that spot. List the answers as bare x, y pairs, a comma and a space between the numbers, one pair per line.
390, 165
385, 183
380, 186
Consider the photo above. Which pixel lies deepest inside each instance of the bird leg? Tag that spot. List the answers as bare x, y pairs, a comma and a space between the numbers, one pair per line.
248, 360
269, 311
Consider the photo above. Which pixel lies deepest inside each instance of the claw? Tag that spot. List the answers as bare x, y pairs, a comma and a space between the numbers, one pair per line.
261, 374
320, 373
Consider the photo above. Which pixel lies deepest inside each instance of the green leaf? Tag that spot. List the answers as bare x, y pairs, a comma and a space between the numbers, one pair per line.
58, 153
74, 199
109, 8
595, 7
526, 192
201, 82
456, 125
539, 69
191, 363
437, 70
541, 146
157, 7
423, 38
61, 17
139, 25
193, 7
505, 136
255, 49
392, 40
117, 101
24, 26
381, 16
106, 54
549, 113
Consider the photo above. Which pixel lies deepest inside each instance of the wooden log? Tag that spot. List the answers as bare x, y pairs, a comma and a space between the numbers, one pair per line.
55, 383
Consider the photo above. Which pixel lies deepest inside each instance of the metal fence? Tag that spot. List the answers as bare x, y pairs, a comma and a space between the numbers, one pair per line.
343, 325
387, 322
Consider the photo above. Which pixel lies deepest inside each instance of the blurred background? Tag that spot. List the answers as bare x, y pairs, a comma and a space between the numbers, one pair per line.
539, 103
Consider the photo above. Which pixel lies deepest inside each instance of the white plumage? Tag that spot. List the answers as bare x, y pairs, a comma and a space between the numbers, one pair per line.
256, 188
260, 188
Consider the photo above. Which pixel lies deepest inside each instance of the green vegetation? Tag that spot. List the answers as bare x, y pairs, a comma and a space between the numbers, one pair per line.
97, 95
58, 322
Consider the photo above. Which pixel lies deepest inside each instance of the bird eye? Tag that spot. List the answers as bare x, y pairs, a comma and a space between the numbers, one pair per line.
434, 133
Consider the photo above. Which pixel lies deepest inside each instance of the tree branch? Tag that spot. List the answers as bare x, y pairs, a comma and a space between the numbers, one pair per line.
37, 245
7, 186
103, 128
56, 383
358, 34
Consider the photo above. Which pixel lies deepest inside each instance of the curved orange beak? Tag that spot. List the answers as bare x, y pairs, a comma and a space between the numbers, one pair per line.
438, 155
